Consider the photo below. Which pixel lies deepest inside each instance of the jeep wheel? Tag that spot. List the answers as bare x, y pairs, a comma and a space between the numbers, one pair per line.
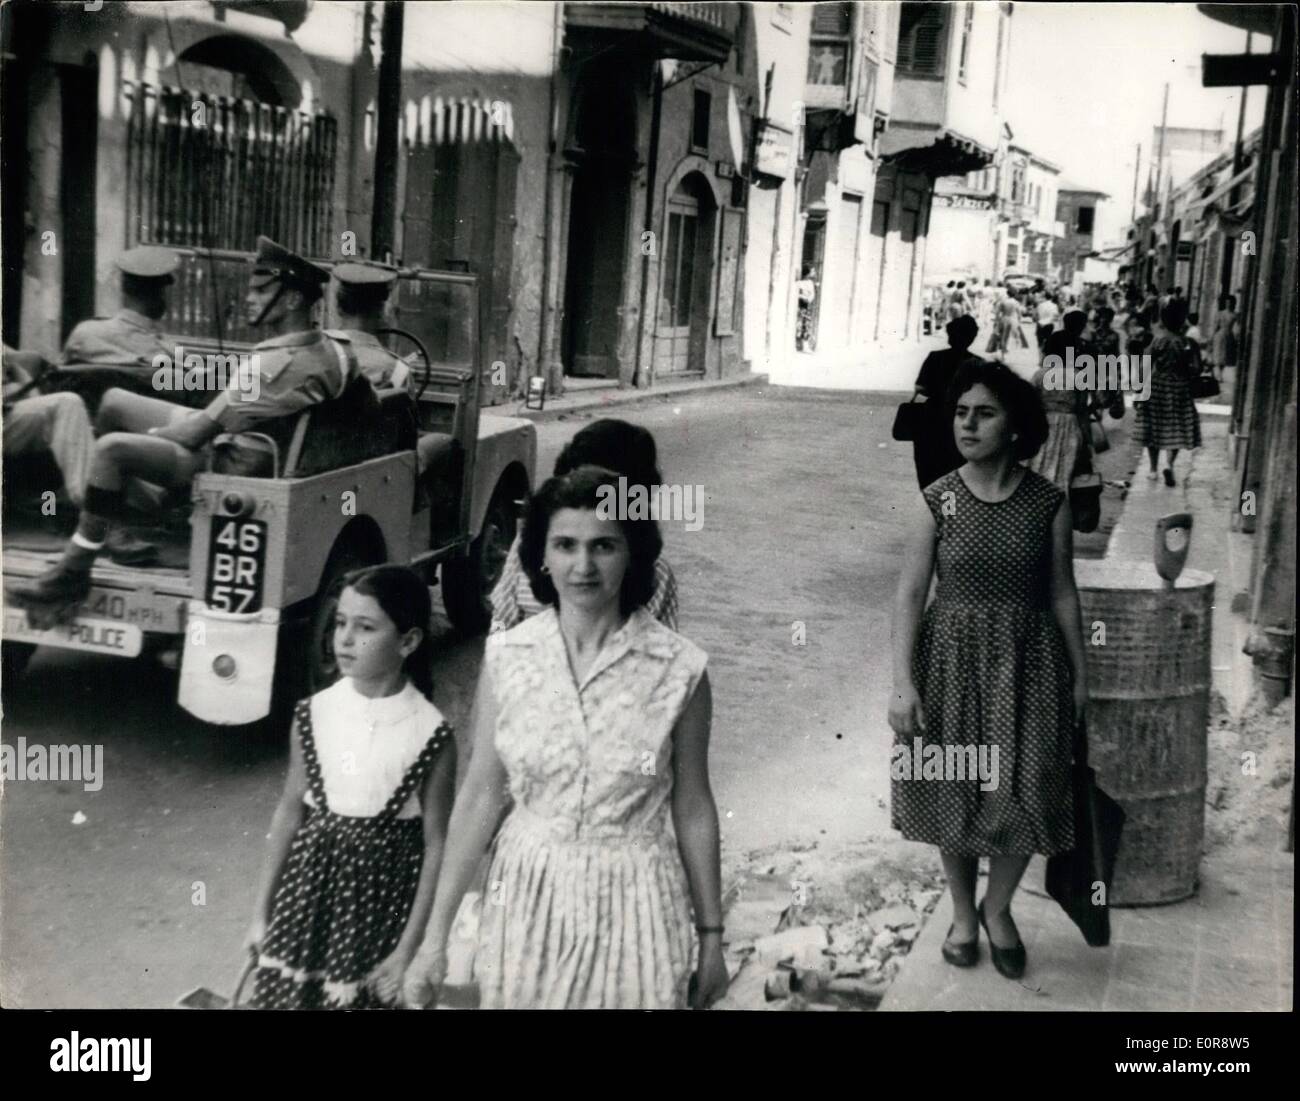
467, 583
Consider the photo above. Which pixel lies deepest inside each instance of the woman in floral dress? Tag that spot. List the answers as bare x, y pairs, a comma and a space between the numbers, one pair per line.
595, 719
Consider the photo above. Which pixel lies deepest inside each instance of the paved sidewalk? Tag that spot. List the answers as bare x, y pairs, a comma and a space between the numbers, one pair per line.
591, 399
887, 368
1203, 489
1227, 949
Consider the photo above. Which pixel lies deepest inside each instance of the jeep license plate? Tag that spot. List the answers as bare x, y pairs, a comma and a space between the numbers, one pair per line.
98, 636
236, 560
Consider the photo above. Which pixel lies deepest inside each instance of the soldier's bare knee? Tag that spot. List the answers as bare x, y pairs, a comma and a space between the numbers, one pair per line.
116, 447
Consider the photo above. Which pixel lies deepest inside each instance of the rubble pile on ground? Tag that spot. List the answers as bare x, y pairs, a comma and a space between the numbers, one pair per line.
786, 951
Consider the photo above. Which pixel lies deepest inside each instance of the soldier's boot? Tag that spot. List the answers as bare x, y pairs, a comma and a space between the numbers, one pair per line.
126, 550
53, 596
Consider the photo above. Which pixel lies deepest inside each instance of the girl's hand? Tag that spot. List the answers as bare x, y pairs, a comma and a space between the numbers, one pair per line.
255, 935
1080, 702
906, 716
385, 981
711, 978
424, 977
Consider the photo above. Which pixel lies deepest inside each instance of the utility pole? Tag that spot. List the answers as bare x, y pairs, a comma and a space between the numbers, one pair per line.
1238, 151
389, 106
1157, 208
1137, 164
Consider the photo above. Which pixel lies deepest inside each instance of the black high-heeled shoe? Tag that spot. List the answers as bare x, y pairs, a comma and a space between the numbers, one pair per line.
1010, 962
961, 955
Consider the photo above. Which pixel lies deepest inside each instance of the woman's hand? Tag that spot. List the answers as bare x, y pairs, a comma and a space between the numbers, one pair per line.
906, 716
424, 977
385, 981
712, 979
1080, 700
255, 935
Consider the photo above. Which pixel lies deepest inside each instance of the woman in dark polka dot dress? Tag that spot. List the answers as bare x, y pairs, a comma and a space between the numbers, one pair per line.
357, 840
989, 682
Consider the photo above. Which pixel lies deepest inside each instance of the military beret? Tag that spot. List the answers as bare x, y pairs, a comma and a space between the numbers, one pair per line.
148, 262
275, 262
365, 273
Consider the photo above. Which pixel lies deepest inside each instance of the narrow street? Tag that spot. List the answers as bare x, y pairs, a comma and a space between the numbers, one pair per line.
150, 894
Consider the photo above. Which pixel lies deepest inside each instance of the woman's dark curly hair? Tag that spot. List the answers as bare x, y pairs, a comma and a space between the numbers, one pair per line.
585, 488
619, 446
1019, 398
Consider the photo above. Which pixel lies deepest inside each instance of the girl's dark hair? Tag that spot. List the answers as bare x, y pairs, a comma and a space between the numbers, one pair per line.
404, 597
585, 488
1019, 398
624, 448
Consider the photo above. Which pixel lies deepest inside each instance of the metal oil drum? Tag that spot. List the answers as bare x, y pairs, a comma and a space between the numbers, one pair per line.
1147, 648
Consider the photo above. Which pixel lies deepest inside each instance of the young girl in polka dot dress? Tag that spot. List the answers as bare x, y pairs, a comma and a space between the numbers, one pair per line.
357, 839
994, 664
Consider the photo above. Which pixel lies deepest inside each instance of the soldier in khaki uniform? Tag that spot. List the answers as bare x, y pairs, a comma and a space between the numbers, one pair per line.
363, 289
131, 338
299, 367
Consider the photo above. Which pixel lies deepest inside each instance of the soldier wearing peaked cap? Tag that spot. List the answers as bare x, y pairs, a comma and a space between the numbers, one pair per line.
363, 289
298, 366
131, 338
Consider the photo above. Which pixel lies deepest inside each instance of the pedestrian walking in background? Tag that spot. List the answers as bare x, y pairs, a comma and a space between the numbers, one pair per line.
596, 719
1137, 335
1066, 450
1006, 325
1168, 419
626, 449
357, 839
994, 663
1046, 316
934, 451
958, 304
1223, 341
805, 290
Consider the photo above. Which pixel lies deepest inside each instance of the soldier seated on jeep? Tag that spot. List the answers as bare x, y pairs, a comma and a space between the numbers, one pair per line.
300, 367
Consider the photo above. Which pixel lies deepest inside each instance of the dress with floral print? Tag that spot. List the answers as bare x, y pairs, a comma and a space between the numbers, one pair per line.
587, 902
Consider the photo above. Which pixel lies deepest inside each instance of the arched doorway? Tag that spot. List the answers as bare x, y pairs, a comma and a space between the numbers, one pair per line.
686, 278
604, 149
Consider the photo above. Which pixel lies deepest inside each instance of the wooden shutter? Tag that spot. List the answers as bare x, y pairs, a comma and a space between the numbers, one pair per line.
921, 46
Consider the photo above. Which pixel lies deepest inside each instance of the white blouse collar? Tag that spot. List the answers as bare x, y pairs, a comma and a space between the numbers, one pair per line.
384, 709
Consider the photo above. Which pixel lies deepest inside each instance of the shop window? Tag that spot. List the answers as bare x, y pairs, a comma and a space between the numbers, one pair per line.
700, 121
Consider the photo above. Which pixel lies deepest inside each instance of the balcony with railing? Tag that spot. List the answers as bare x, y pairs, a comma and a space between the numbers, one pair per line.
684, 31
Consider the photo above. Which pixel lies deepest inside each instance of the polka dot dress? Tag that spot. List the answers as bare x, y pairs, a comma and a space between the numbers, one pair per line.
993, 674
345, 892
